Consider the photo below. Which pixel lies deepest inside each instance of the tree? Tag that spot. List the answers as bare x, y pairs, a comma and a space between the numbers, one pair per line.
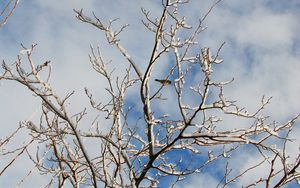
7, 10
143, 145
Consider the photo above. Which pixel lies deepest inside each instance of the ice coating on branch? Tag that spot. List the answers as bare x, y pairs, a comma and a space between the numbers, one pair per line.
207, 59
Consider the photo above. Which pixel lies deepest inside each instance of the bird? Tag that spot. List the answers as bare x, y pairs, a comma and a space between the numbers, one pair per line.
164, 82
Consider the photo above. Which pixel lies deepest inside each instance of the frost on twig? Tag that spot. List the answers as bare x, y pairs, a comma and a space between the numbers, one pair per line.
134, 142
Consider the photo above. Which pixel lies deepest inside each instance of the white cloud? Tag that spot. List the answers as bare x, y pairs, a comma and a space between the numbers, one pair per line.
200, 181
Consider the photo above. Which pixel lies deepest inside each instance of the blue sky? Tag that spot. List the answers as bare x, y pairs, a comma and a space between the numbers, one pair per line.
262, 53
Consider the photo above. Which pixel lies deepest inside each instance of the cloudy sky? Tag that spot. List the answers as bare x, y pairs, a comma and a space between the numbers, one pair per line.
262, 53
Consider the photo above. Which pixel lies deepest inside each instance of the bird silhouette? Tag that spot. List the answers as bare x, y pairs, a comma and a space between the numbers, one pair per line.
164, 82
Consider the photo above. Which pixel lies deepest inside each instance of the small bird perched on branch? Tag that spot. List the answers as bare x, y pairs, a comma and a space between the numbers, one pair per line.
164, 82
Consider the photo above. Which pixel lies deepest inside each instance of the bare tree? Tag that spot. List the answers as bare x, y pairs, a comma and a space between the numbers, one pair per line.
7, 9
155, 148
